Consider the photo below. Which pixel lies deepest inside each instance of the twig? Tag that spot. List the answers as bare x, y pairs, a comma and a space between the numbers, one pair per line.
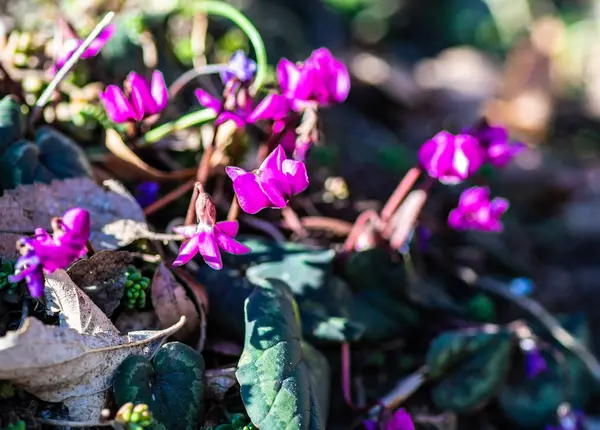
552, 325
66, 68
168, 198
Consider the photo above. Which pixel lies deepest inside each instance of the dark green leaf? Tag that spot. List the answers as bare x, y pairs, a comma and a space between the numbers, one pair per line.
284, 381
52, 156
12, 122
171, 385
470, 366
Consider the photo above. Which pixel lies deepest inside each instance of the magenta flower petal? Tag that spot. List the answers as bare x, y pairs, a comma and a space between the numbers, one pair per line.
275, 191
141, 97
273, 163
185, 230
250, 195
339, 85
499, 206
233, 172
207, 245
296, 174
116, 105
230, 245
206, 100
456, 220
78, 224
99, 42
472, 199
287, 140
475, 211
400, 421
274, 106
187, 251
230, 228
159, 91
437, 155
472, 150
288, 76
230, 116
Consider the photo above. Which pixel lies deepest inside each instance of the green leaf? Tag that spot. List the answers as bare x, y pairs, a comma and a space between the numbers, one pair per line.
531, 403
52, 156
12, 122
171, 385
470, 367
284, 381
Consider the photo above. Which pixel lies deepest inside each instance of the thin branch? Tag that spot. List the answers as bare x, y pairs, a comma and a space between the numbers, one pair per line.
66, 68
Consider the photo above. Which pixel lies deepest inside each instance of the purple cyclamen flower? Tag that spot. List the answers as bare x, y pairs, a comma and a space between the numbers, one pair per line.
271, 186
451, 159
45, 252
67, 42
321, 79
208, 236
499, 151
534, 363
239, 67
475, 211
138, 99
399, 421
242, 107
146, 193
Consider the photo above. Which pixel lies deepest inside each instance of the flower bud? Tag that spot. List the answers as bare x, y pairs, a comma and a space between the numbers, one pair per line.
206, 213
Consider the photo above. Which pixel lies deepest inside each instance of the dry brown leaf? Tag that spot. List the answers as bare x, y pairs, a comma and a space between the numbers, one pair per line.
102, 278
74, 362
170, 302
127, 165
117, 219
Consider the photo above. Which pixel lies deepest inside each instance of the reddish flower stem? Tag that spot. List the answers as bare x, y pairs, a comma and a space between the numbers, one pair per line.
347, 375
168, 198
234, 210
399, 194
358, 228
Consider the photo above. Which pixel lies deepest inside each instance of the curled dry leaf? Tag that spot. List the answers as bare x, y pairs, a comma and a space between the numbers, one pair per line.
102, 278
127, 165
170, 302
74, 362
117, 219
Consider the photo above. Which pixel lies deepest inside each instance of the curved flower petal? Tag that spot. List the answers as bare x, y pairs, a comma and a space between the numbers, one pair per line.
77, 223
473, 198
249, 194
272, 163
274, 106
116, 105
209, 250
277, 192
456, 220
141, 97
99, 41
230, 228
339, 82
158, 89
35, 283
187, 251
230, 245
499, 206
288, 76
472, 150
206, 100
296, 174
437, 154
185, 230
233, 172
230, 116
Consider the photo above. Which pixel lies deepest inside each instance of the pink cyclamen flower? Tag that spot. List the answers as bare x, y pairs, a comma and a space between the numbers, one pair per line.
238, 112
400, 420
276, 180
476, 211
67, 42
45, 252
499, 151
451, 159
321, 79
138, 100
207, 239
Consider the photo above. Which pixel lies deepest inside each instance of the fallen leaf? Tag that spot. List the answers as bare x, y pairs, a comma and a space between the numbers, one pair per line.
170, 302
117, 219
74, 362
102, 278
219, 382
127, 165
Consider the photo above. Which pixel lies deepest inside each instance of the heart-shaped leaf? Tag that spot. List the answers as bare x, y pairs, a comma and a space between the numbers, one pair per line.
533, 402
171, 385
12, 122
102, 277
52, 156
284, 380
72, 363
469, 366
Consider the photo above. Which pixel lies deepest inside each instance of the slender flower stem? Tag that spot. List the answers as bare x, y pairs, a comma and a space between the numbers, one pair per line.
347, 375
66, 68
188, 120
168, 198
399, 193
227, 11
234, 209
